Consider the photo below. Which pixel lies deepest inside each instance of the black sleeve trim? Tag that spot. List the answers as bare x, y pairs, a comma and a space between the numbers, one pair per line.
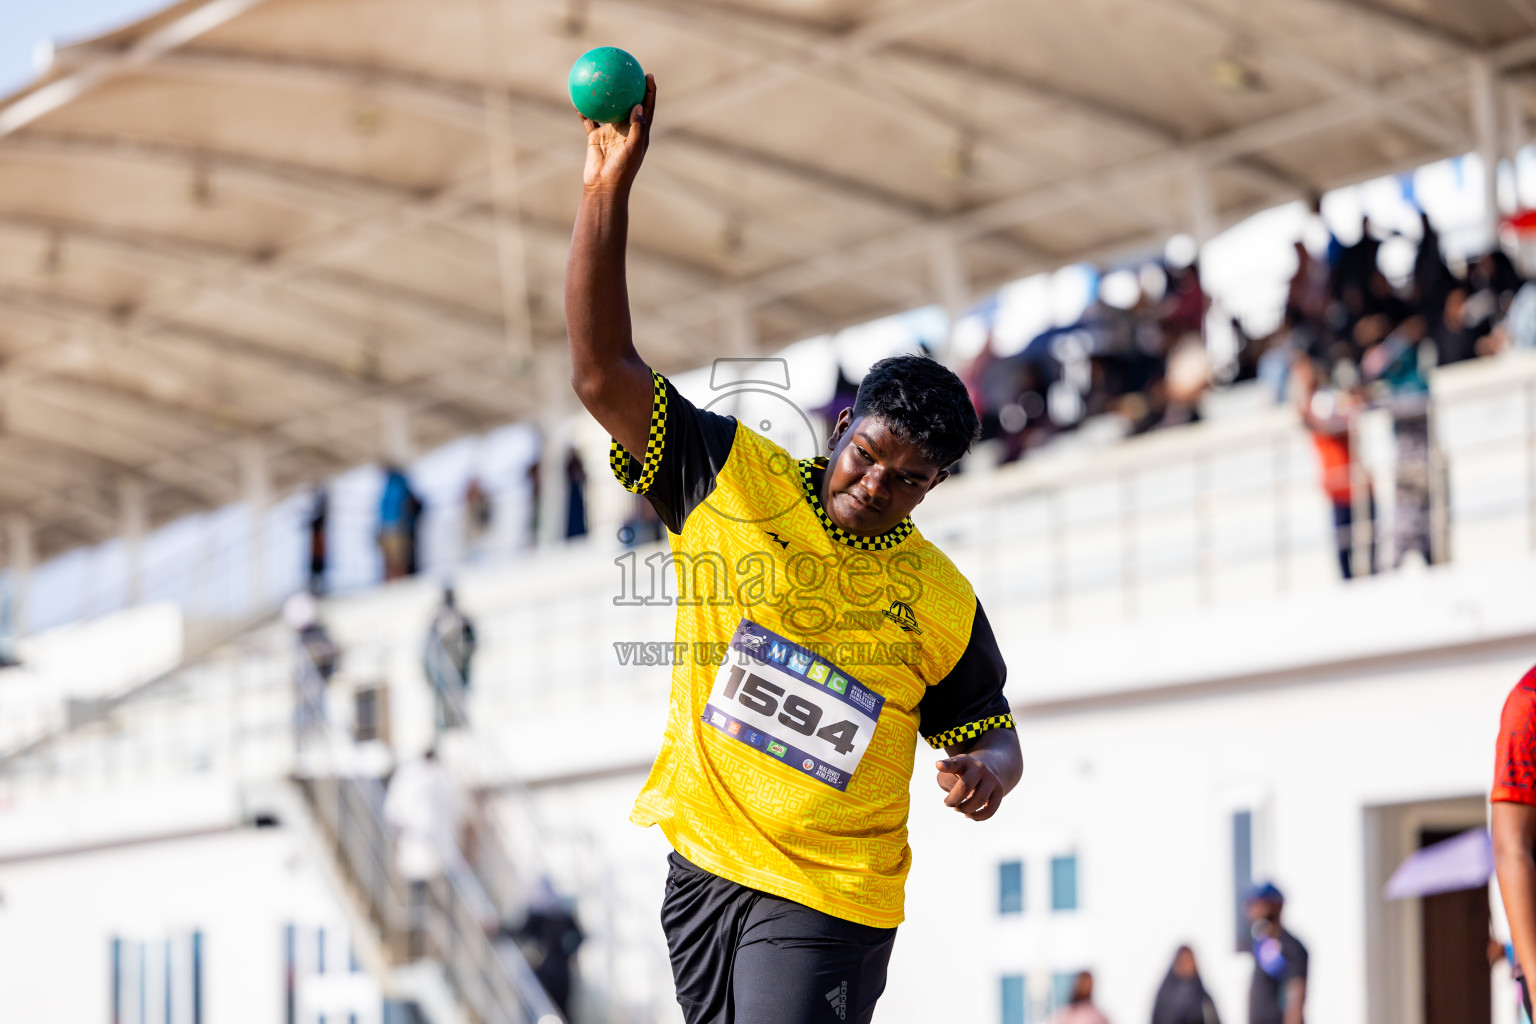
685, 450
636, 476
969, 731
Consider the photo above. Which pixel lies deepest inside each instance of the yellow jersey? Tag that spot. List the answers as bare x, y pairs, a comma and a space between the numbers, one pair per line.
806, 662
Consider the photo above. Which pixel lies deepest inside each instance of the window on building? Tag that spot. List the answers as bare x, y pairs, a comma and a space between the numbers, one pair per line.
1242, 875
1010, 887
1014, 999
1064, 882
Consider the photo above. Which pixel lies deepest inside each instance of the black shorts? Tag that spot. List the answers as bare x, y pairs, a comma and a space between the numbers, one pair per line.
740, 956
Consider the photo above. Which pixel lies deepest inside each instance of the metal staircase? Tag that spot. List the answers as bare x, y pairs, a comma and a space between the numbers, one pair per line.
450, 921
252, 714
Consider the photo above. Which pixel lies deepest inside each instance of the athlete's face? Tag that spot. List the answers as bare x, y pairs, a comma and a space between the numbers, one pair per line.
874, 478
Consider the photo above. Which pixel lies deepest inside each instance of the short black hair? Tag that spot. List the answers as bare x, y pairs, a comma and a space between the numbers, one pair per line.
923, 403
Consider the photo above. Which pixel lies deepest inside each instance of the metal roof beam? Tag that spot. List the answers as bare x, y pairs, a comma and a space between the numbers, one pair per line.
74, 498
97, 325
1089, 108
454, 197
1400, 22
302, 187
108, 409
460, 104
314, 190
297, 185
313, 187
61, 367
775, 38
193, 21
165, 470
448, 101
1311, 69
176, 414
132, 249
1325, 115
691, 189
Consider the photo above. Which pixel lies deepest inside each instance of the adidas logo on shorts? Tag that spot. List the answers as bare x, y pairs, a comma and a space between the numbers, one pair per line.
838, 997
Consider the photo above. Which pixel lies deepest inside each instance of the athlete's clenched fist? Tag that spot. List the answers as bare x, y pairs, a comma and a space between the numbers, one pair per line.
973, 788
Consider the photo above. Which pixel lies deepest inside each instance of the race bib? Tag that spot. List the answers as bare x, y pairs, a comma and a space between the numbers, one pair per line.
793, 705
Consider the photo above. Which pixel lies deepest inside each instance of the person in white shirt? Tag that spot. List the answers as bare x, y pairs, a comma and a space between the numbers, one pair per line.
425, 807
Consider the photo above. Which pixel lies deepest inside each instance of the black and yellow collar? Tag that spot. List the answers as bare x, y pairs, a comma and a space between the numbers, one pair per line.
892, 537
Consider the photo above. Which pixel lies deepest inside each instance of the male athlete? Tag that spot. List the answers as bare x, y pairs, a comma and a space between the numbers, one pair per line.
822, 634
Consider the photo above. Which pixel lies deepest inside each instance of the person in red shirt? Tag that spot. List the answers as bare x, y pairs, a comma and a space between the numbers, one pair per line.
1514, 822
1328, 423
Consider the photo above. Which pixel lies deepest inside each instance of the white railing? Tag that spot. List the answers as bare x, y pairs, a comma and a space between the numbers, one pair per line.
1233, 511
229, 714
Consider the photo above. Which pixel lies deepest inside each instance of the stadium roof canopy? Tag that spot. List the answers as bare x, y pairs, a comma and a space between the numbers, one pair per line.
265, 225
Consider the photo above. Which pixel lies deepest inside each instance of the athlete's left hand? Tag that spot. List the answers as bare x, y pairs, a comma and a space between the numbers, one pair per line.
973, 787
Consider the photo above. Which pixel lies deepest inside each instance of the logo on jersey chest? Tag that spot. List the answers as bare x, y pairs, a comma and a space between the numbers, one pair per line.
902, 614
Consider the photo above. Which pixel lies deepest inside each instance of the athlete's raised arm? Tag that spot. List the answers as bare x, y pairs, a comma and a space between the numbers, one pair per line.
609, 376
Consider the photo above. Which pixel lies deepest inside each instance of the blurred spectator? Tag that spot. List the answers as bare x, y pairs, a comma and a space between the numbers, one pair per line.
1306, 297
575, 496
424, 808
399, 517
1279, 990
1307, 303
319, 516
1249, 351
1348, 341
532, 478
550, 937
1009, 395
1355, 272
1455, 339
316, 664
302, 614
1397, 362
449, 650
1327, 415
1080, 1009
1432, 279
1182, 999
1184, 304
1141, 358
477, 516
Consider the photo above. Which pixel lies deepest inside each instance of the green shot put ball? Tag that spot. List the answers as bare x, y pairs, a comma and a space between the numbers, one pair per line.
606, 83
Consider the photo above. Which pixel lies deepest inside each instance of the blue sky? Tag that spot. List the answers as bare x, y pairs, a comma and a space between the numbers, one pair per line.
30, 22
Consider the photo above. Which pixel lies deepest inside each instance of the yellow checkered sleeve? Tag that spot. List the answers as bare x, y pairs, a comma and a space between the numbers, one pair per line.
969, 731
621, 462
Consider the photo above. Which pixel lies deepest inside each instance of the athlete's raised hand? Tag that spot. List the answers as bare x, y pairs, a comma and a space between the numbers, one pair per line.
615, 151
609, 376
972, 786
